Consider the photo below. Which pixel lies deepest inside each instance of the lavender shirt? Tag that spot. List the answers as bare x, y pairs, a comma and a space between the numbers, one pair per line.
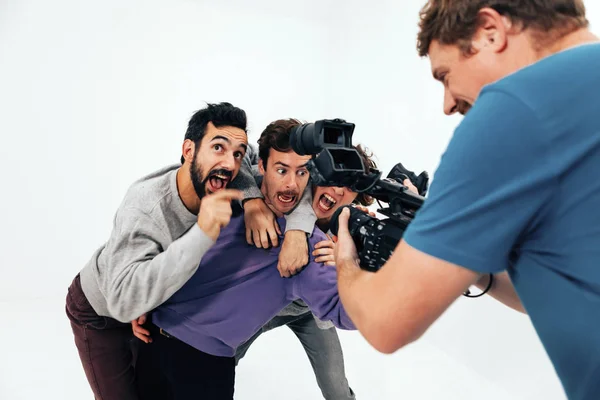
237, 289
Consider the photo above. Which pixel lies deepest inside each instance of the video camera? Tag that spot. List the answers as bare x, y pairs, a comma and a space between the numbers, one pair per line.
336, 162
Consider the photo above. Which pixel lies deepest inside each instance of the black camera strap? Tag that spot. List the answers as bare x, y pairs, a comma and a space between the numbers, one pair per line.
467, 293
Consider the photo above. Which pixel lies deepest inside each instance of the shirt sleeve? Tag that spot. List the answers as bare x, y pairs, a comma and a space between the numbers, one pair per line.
139, 273
244, 180
490, 188
317, 286
302, 217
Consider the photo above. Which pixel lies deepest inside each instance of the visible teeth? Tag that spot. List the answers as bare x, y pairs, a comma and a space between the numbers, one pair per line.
325, 203
328, 197
220, 176
286, 199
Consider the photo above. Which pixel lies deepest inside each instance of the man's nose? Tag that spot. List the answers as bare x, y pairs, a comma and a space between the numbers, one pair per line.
291, 183
228, 162
339, 191
449, 103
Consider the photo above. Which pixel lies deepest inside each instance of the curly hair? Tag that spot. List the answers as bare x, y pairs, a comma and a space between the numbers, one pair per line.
276, 136
367, 158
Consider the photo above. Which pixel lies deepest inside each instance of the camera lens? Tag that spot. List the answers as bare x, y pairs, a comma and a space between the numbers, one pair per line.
306, 140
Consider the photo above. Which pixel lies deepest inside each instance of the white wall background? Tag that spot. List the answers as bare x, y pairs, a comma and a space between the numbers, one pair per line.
95, 94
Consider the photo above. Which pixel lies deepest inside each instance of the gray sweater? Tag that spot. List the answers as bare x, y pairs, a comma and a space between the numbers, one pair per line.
156, 245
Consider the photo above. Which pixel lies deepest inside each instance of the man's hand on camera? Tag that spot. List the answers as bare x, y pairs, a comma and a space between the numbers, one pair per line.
140, 332
261, 225
410, 186
215, 211
294, 253
345, 250
365, 210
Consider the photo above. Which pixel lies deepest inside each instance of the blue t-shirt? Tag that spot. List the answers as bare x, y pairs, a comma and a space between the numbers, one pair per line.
518, 189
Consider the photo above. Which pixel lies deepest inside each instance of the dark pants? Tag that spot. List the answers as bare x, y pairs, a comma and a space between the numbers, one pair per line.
106, 348
171, 369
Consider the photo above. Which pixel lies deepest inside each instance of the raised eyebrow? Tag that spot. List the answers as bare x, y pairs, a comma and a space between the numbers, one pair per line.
221, 138
282, 164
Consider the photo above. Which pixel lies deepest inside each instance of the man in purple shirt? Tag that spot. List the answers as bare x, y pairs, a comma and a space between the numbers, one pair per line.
234, 292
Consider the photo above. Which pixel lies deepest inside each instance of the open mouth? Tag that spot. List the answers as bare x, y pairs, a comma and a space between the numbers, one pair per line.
217, 182
326, 202
286, 198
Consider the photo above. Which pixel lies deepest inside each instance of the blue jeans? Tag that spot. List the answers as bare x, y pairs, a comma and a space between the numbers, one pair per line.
323, 349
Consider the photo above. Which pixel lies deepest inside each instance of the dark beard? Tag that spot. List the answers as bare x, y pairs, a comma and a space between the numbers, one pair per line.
196, 174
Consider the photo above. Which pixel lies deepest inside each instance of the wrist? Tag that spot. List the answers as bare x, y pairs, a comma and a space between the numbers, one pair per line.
483, 281
347, 264
348, 273
296, 239
210, 229
296, 233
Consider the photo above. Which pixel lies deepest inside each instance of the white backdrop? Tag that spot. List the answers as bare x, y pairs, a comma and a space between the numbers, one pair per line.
95, 94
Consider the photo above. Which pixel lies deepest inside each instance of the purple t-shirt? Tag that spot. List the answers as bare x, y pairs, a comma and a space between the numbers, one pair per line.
237, 289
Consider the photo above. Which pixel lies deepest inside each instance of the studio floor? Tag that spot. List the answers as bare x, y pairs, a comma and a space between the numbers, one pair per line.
39, 360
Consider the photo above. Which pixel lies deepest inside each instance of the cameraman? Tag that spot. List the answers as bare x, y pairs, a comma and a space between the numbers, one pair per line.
516, 189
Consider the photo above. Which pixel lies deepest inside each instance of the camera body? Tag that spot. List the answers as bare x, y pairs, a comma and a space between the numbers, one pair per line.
335, 162
375, 239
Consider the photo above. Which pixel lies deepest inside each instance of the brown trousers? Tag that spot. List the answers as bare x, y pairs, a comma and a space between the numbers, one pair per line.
107, 348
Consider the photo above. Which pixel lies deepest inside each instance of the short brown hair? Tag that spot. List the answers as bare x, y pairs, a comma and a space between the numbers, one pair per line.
456, 21
276, 136
367, 158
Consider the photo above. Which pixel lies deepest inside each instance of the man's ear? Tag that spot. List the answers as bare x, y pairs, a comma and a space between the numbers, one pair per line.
492, 31
187, 150
261, 167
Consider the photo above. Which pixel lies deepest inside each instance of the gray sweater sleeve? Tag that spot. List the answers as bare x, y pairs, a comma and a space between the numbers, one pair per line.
244, 180
303, 217
140, 274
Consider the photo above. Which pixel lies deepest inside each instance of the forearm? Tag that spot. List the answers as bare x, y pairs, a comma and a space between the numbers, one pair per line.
136, 286
390, 312
502, 290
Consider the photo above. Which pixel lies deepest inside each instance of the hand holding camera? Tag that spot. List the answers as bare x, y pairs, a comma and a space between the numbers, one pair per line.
336, 163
